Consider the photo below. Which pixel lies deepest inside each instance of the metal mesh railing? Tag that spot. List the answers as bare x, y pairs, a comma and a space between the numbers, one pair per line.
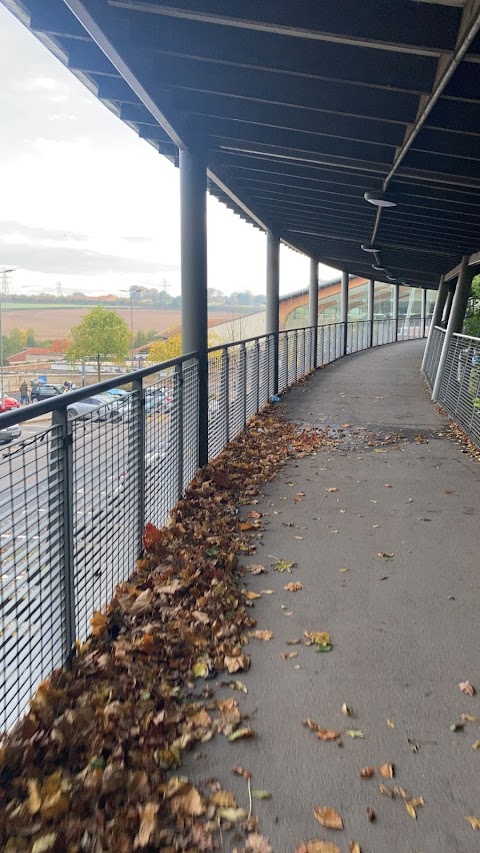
433, 354
75, 496
460, 386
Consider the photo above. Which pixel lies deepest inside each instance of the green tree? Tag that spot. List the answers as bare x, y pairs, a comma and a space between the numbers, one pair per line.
102, 335
471, 325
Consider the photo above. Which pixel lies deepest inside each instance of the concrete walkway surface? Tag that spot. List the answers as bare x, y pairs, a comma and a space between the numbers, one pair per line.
405, 630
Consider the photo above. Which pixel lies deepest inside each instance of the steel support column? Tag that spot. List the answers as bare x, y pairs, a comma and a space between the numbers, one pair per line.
344, 310
370, 310
395, 299
273, 302
436, 316
455, 320
423, 313
193, 217
448, 303
313, 306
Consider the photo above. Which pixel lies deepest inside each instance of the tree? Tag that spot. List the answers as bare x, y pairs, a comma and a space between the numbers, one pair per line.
472, 319
172, 347
101, 335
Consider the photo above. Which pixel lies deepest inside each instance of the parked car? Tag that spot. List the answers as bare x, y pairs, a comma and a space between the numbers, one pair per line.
158, 400
103, 404
118, 393
44, 391
10, 403
9, 433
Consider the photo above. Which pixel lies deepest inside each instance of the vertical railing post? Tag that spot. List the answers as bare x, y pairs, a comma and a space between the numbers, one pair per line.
178, 402
287, 360
269, 344
344, 311
313, 307
423, 313
295, 357
396, 297
370, 309
243, 357
273, 301
193, 220
138, 435
227, 391
62, 459
257, 360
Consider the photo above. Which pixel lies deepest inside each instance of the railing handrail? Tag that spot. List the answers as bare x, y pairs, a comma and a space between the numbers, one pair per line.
61, 401
467, 337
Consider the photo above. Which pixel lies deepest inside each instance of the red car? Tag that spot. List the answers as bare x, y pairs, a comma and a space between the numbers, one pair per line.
10, 403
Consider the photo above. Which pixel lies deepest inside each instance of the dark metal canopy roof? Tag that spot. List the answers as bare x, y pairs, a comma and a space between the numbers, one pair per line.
299, 108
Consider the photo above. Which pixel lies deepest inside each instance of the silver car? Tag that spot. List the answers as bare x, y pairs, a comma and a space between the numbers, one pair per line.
101, 406
9, 433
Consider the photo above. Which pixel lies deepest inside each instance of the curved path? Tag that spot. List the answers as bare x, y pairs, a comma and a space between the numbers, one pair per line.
405, 631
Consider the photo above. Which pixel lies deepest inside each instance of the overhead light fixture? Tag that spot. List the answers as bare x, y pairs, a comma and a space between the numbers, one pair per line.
380, 198
370, 247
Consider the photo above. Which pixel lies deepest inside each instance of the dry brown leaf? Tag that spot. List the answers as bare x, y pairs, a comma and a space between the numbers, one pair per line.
371, 814
294, 586
261, 635
34, 798
354, 847
386, 791
188, 802
141, 604
98, 622
367, 773
258, 844
328, 817
476, 745
252, 596
241, 771
318, 846
256, 569
386, 555
327, 734
225, 799
254, 514
236, 663
148, 819
332, 489
232, 815
201, 718
474, 822
387, 770
467, 688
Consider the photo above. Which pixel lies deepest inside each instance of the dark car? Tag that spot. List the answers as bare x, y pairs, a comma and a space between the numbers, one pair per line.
43, 391
7, 434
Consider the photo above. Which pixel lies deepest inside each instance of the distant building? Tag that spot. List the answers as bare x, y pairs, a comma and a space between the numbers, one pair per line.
33, 355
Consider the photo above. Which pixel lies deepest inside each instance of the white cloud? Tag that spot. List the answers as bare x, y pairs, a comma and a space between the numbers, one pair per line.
80, 170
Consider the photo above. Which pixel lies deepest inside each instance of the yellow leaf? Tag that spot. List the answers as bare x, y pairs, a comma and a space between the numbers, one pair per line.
328, 817
476, 745
224, 799
232, 815
34, 799
332, 489
148, 819
252, 596
474, 822
354, 847
468, 718
346, 711
246, 732
98, 622
46, 842
390, 724
200, 669
321, 638
354, 733
410, 809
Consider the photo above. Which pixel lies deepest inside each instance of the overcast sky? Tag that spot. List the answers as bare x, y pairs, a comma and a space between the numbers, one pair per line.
85, 202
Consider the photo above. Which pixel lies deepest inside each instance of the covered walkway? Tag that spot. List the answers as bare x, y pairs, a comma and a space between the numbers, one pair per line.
404, 629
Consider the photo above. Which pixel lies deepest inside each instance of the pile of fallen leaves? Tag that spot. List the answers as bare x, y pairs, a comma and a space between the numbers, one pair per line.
93, 766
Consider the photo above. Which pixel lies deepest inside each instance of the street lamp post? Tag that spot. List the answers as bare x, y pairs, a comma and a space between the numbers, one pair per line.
2, 387
133, 291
